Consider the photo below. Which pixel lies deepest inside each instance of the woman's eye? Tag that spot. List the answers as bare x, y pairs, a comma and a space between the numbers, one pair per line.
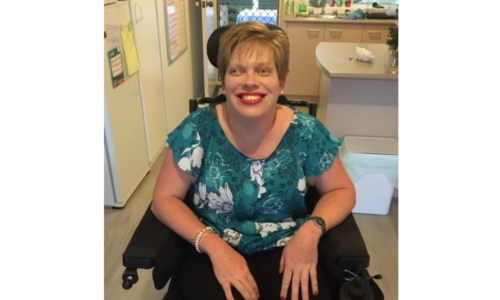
234, 71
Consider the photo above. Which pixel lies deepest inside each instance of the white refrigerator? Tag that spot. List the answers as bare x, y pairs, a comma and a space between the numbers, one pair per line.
125, 143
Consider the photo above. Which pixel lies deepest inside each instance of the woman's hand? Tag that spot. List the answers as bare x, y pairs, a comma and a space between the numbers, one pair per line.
231, 269
299, 261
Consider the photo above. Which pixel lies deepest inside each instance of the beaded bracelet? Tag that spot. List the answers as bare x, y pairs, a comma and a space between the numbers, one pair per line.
195, 236
202, 233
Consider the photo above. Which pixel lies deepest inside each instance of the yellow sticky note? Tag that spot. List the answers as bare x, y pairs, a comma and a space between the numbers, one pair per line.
128, 48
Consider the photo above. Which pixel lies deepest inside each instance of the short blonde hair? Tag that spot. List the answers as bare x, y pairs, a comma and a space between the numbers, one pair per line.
253, 35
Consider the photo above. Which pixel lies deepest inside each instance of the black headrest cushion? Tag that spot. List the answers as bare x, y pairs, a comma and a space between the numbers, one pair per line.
213, 42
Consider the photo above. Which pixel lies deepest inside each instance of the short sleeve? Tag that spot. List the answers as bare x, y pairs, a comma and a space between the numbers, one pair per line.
186, 145
321, 150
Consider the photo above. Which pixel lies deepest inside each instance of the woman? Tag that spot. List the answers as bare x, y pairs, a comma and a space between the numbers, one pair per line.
249, 162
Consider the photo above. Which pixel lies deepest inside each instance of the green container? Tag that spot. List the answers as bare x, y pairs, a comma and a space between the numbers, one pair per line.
289, 7
302, 7
339, 3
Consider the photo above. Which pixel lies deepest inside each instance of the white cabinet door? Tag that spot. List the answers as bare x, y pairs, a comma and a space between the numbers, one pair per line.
146, 37
124, 131
303, 79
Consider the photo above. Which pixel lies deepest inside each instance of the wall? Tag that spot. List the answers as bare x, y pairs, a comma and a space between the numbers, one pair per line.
196, 48
183, 79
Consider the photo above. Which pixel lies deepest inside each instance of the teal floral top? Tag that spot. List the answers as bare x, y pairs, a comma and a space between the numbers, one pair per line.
253, 204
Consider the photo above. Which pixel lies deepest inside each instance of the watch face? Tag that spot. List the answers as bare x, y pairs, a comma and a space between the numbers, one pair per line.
320, 221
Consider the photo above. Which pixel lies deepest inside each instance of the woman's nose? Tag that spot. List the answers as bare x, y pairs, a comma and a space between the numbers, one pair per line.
251, 79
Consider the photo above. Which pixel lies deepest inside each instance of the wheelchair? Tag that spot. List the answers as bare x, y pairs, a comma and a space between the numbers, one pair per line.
155, 246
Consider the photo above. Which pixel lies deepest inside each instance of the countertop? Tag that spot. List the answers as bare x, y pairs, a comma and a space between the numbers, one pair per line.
333, 61
293, 19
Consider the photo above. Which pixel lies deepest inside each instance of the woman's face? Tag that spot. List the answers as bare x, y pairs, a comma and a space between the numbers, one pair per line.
251, 84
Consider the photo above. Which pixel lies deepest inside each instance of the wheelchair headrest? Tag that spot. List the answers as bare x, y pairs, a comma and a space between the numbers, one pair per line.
213, 42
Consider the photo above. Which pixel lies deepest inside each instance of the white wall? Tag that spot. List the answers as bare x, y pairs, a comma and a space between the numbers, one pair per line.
183, 79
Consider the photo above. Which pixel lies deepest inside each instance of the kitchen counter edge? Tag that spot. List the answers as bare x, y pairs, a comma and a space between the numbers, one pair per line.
291, 19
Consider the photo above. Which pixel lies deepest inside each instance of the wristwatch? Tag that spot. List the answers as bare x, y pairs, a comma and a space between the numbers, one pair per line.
318, 221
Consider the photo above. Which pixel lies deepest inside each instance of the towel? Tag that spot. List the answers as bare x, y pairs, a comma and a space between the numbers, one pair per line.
363, 54
357, 14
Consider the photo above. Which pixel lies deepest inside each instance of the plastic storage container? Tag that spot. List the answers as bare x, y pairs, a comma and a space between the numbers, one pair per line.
372, 165
289, 10
303, 7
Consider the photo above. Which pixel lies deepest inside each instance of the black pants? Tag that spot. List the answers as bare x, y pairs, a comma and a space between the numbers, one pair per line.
197, 278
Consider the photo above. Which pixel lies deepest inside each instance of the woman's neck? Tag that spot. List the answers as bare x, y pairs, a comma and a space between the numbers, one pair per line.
252, 137
250, 129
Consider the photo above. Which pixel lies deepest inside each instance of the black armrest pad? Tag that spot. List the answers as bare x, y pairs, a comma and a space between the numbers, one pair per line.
153, 244
151, 241
343, 246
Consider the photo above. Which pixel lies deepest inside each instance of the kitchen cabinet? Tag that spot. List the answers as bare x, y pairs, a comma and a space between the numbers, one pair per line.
375, 34
343, 33
359, 101
303, 78
304, 37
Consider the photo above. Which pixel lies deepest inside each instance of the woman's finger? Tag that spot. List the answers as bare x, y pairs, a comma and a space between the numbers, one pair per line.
245, 290
227, 291
304, 284
295, 285
285, 283
253, 285
314, 281
282, 264
249, 291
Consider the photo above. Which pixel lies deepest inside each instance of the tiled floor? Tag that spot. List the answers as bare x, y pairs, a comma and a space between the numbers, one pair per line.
379, 232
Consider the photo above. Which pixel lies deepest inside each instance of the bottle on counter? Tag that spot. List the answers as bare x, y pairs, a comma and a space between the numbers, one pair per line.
303, 7
289, 7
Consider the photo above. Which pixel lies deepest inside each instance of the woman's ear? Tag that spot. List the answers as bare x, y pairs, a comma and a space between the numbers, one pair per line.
282, 85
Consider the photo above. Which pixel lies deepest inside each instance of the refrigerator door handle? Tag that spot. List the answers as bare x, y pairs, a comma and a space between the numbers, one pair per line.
137, 19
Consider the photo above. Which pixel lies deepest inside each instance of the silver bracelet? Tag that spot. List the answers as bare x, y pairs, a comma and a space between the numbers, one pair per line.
200, 236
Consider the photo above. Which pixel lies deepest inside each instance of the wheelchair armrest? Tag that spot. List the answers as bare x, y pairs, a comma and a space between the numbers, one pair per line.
344, 246
152, 240
153, 244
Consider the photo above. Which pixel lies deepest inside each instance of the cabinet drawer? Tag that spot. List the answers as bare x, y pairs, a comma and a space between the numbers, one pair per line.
343, 33
304, 75
375, 34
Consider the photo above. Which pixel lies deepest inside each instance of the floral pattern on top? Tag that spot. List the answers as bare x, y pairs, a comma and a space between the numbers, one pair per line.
256, 167
253, 204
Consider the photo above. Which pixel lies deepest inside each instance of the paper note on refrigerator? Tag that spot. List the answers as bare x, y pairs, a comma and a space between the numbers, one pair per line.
129, 52
112, 37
